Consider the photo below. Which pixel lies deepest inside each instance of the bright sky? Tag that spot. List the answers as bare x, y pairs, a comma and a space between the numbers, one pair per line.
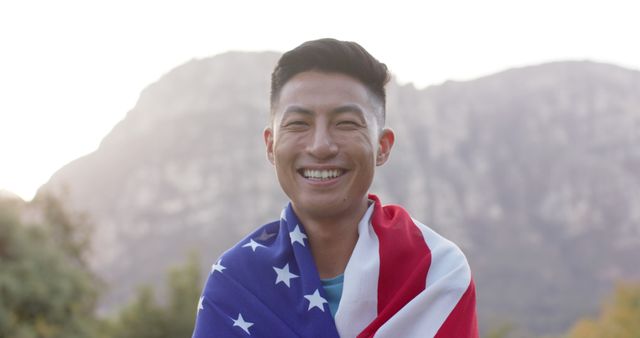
70, 70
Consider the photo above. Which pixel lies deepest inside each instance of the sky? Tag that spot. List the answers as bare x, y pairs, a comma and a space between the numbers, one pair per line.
71, 70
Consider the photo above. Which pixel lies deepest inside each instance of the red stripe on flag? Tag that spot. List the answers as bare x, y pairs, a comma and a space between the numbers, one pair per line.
462, 321
404, 262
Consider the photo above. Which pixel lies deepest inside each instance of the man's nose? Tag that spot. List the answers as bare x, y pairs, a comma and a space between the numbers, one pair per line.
322, 144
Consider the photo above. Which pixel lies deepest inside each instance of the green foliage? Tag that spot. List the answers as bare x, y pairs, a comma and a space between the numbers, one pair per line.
501, 331
146, 318
70, 232
620, 316
143, 318
45, 289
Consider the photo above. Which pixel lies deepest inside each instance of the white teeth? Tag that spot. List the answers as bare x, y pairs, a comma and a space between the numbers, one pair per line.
321, 174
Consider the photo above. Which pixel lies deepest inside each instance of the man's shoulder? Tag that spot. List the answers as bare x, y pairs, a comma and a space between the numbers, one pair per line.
262, 238
444, 255
437, 243
447, 260
253, 256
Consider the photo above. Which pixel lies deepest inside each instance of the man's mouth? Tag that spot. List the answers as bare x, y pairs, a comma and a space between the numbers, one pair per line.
321, 174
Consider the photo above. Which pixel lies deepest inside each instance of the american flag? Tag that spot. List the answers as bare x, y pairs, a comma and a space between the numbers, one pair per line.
402, 280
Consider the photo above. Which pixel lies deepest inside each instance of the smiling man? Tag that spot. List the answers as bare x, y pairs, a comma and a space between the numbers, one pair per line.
337, 263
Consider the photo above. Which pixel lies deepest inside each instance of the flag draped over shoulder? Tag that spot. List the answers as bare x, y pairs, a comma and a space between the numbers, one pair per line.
402, 280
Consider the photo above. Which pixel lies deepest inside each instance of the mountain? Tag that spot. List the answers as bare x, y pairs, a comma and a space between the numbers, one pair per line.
534, 172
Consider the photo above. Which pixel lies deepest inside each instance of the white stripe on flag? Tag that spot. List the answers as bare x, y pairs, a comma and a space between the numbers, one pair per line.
447, 280
359, 301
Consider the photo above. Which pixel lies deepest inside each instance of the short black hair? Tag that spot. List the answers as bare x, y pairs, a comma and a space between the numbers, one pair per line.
332, 56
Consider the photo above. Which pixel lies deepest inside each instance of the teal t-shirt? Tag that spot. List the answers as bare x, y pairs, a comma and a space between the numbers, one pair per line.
333, 290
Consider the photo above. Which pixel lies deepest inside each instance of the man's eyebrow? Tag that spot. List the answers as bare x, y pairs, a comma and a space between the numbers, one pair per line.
297, 109
350, 108
347, 108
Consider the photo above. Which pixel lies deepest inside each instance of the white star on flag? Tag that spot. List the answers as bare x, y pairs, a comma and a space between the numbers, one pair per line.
217, 266
265, 236
242, 324
253, 245
200, 306
284, 275
297, 236
315, 300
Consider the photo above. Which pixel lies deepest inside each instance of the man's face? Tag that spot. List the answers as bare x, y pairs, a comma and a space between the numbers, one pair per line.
325, 143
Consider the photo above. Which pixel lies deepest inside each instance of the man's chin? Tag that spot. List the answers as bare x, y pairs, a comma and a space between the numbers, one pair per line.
318, 206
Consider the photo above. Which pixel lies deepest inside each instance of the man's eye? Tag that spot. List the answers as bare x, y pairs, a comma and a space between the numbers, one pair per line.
348, 124
296, 124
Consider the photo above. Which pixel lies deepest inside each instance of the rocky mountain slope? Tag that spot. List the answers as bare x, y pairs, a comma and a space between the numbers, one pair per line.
535, 172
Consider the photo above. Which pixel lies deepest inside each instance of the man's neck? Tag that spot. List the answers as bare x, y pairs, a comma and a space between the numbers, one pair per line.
332, 240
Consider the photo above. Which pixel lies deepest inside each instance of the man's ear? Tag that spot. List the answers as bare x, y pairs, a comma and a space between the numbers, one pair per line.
268, 141
385, 143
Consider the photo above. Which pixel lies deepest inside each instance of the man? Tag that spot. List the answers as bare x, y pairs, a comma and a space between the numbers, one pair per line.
337, 263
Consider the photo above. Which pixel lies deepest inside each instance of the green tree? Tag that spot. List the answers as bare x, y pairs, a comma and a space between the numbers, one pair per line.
619, 318
70, 232
145, 317
45, 288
